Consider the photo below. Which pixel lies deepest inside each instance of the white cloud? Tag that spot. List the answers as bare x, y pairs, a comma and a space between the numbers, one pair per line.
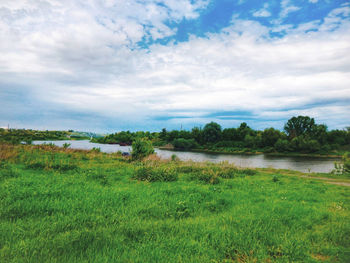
313, 1
286, 8
263, 12
68, 56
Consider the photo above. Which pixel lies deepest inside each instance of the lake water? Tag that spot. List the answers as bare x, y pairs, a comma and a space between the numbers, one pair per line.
303, 164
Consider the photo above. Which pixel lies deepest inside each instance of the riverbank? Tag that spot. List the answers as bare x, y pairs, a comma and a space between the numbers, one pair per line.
245, 152
67, 205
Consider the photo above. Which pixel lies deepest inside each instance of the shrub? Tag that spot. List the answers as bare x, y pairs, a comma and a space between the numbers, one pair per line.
282, 145
184, 144
275, 179
66, 145
310, 146
174, 158
159, 174
163, 174
96, 149
141, 148
269, 149
247, 171
227, 173
208, 177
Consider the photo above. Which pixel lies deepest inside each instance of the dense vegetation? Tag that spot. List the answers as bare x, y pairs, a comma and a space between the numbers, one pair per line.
301, 135
16, 136
22, 135
126, 137
65, 205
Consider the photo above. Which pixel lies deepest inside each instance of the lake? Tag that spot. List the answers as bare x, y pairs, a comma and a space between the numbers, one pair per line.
302, 164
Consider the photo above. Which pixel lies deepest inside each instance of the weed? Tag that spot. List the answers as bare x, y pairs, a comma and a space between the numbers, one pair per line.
275, 179
66, 145
158, 174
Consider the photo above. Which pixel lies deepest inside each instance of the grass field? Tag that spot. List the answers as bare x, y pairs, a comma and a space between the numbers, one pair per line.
63, 205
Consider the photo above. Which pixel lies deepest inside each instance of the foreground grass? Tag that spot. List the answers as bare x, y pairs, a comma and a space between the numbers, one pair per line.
61, 205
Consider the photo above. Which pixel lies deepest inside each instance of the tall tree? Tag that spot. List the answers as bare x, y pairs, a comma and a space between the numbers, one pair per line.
300, 125
212, 132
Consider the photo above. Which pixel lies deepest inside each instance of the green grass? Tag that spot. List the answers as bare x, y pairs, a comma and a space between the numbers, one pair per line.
97, 210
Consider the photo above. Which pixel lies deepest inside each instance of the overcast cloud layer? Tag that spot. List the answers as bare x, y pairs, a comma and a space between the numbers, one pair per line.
109, 65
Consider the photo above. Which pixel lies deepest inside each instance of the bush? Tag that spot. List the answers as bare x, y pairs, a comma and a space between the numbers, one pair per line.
174, 158
141, 148
96, 149
184, 144
310, 146
275, 179
208, 177
66, 145
269, 149
282, 145
159, 174
247, 171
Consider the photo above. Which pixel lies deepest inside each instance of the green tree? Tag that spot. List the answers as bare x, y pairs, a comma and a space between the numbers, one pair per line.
282, 145
319, 133
300, 125
230, 134
197, 134
184, 144
270, 136
243, 131
212, 132
162, 134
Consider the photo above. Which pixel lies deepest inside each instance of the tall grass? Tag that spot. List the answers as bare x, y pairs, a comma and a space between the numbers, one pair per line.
104, 211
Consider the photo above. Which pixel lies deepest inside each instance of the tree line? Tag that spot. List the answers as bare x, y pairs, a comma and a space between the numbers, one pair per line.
300, 134
16, 136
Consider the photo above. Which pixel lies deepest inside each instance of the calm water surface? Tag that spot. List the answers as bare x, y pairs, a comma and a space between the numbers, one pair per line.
303, 164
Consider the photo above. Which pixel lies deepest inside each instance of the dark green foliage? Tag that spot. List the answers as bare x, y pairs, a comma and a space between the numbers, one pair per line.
310, 146
275, 179
127, 137
270, 137
141, 148
212, 132
282, 145
15, 136
300, 125
184, 144
174, 158
197, 135
247, 171
302, 135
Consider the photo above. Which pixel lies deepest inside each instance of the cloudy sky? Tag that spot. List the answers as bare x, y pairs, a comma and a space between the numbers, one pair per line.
110, 65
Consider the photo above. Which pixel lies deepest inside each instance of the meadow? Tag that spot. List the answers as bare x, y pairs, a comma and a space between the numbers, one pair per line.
65, 205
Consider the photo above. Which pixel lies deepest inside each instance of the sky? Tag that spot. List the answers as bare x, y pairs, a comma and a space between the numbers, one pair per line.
112, 65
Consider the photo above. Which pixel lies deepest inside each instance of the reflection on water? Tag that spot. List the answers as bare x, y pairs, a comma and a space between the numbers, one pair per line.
303, 164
